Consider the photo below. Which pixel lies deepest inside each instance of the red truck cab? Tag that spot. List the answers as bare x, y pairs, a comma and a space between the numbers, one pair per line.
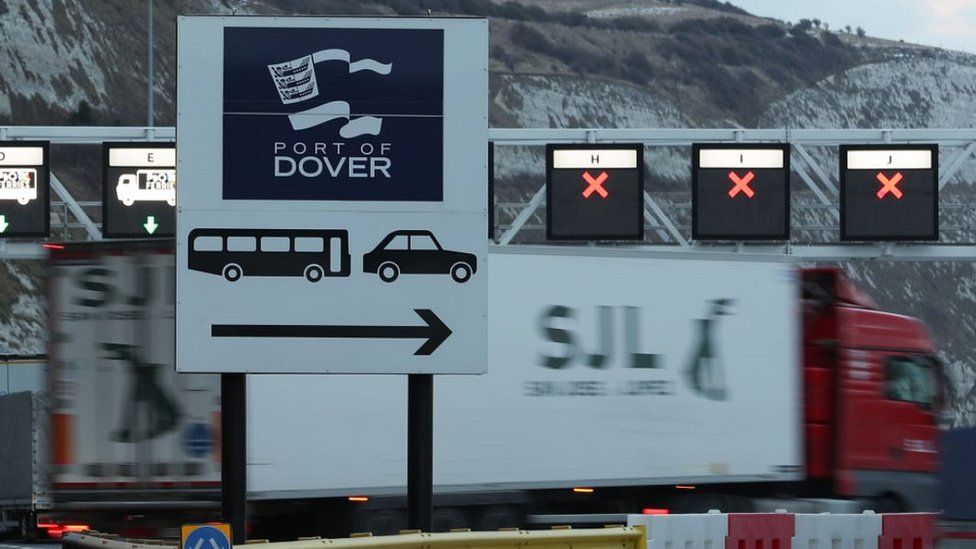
872, 386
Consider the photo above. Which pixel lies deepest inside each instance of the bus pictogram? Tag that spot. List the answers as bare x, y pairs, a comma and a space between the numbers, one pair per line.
18, 184
147, 186
234, 253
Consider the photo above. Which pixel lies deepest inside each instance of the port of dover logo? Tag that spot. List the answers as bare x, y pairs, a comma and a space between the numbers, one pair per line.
333, 114
296, 83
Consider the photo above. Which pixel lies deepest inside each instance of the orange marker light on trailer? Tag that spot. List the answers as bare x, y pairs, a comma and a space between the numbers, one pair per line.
582, 490
358, 499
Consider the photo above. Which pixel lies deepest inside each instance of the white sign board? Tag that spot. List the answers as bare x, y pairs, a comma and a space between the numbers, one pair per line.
333, 195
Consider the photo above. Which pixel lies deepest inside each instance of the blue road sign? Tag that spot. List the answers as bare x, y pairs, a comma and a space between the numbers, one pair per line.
197, 440
207, 537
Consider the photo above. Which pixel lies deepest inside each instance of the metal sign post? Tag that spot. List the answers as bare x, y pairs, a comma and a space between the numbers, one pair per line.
233, 462
420, 451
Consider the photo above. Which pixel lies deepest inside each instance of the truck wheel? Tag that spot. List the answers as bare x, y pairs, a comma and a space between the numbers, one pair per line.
887, 503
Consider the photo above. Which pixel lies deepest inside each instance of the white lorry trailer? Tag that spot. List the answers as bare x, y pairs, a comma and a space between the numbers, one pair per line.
115, 435
607, 371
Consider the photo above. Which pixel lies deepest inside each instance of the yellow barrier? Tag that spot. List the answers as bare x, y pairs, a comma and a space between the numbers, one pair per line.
614, 537
618, 537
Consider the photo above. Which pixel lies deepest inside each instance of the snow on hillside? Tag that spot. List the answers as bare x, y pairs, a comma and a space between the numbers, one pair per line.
23, 322
573, 102
636, 11
917, 92
56, 54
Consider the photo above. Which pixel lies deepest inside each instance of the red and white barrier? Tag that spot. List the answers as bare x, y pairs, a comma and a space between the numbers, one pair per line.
827, 531
706, 531
908, 531
759, 531
788, 531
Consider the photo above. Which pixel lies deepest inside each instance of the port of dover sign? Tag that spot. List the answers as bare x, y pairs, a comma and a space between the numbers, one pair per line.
332, 203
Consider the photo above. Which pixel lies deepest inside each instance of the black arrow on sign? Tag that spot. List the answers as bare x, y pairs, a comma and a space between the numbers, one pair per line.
435, 331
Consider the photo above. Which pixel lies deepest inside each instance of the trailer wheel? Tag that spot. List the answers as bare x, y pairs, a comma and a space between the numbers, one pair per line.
499, 516
380, 522
28, 528
4, 529
448, 518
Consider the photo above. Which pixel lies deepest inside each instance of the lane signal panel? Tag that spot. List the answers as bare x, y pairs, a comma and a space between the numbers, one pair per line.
25, 201
741, 191
889, 192
139, 189
595, 192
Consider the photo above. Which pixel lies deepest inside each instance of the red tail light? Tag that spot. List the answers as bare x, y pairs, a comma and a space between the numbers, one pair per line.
55, 531
656, 511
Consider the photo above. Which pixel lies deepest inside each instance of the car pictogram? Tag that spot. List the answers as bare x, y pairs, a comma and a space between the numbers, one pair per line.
417, 252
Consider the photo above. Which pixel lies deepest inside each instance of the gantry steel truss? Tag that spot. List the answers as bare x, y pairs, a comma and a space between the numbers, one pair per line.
68, 212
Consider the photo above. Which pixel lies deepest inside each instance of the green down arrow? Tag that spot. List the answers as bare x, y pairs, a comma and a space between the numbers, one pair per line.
3, 223
150, 224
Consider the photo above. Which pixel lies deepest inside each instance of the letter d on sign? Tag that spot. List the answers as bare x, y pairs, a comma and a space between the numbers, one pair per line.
279, 160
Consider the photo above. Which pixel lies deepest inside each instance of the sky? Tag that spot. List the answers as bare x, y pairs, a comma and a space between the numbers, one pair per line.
949, 24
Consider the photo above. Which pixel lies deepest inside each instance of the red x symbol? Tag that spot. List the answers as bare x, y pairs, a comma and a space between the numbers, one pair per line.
741, 184
595, 185
889, 185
